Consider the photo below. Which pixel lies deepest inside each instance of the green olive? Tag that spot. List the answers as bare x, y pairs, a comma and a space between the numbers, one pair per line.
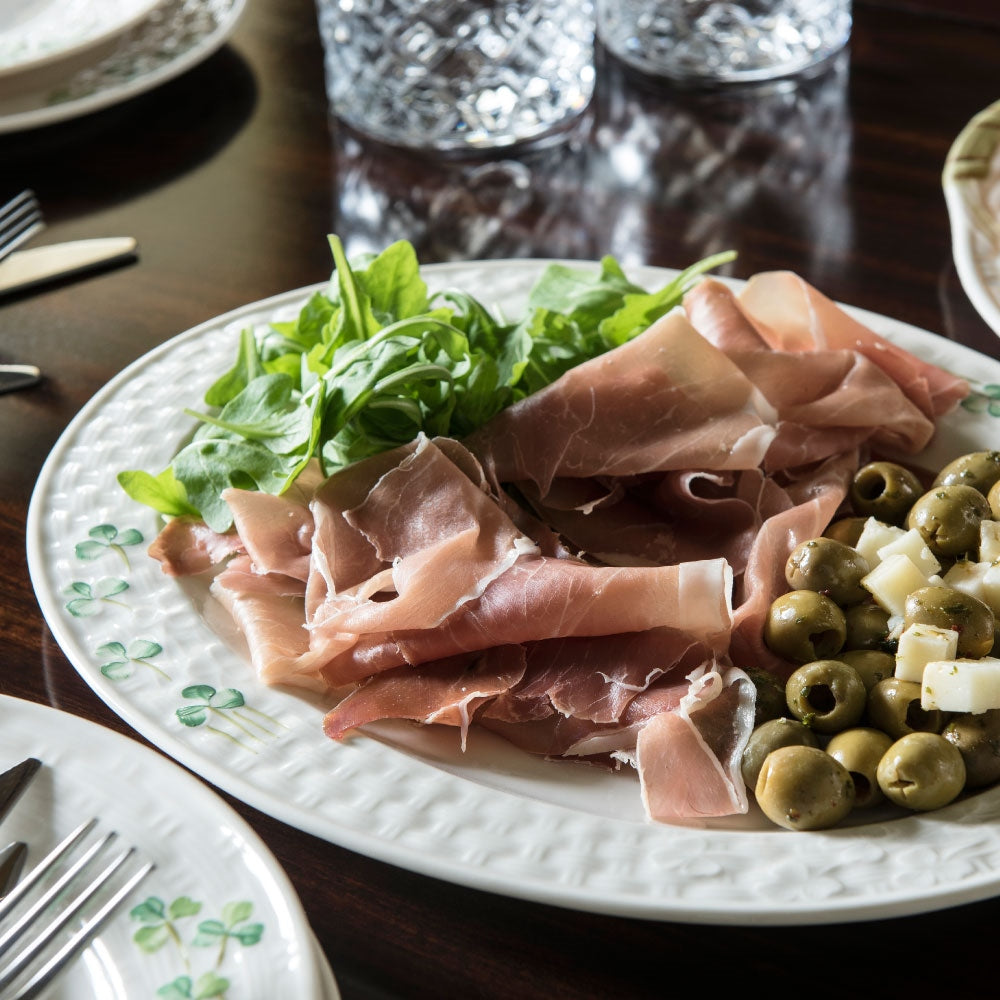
866, 627
872, 665
770, 736
894, 707
803, 626
804, 788
921, 771
993, 498
828, 567
948, 518
948, 608
770, 699
847, 530
979, 469
884, 490
978, 740
827, 695
860, 751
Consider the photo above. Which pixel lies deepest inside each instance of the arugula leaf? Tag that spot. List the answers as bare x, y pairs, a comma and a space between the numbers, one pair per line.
373, 360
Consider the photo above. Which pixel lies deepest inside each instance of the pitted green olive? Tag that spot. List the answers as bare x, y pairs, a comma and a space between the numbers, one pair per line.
860, 750
770, 736
921, 771
872, 665
803, 626
894, 707
847, 530
770, 695
804, 788
828, 567
979, 469
827, 695
948, 518
884, 490
977, 738
866, 627
948, 608
993, 499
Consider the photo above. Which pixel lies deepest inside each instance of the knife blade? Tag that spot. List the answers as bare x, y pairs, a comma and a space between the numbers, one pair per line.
14, 781
18, 377
11, 864
27, 268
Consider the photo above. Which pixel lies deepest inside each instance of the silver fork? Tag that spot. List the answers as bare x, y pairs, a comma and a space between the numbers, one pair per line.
20, 219
55, 892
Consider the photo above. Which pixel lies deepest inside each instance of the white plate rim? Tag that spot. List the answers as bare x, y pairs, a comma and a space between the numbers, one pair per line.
51, 114
55, 732
116, 24
657, 887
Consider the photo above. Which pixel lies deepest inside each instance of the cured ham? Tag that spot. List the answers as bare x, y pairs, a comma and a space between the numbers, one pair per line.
586, 575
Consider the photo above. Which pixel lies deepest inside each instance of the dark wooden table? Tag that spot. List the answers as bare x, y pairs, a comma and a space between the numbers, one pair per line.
231, 177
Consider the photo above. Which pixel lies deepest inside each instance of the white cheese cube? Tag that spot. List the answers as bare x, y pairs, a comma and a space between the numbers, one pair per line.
920, 645
876, 535
961, 685
990, 589
912, 544
892, 581
989, 540
967, 577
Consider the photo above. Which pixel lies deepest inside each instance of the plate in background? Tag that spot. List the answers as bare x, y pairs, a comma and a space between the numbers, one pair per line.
175, 37
971, 182
210, 868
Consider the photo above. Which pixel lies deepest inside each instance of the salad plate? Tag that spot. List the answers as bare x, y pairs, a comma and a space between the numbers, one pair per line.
971, 182
216, 916
490, 817
172, 38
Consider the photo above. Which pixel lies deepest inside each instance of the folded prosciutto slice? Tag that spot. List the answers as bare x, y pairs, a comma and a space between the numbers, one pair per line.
586, 575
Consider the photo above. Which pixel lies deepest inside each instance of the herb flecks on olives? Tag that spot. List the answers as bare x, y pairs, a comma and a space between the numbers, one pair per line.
948, 517
884, 490
921, 771
804, 788
829, 567
827, 695
948, 608
803, 625
979, 469
769, 736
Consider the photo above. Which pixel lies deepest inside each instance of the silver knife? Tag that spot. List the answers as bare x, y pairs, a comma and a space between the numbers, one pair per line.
27, 268
18, 377
14, 781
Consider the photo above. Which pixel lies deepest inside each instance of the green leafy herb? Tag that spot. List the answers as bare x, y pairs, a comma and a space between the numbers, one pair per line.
375, 359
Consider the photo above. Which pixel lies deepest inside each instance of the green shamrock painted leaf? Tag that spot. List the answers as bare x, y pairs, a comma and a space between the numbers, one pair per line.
184, 906
210, 985
236, 913
228, 698
152, 937
122, 659
203, 691
88, 599
107, 538
149, 911
192, 715
179, 989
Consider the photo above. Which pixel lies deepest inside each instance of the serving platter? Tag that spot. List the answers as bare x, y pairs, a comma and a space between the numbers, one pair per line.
214, 879
492, 817
174, 37
971, 182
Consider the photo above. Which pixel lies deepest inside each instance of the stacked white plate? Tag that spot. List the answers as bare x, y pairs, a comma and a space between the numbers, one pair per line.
216, 913
60, 59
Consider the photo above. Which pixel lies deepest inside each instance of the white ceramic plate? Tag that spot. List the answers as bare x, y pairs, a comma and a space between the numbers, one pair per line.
35, 33
971, 182
176, 36
493, 818
210, 867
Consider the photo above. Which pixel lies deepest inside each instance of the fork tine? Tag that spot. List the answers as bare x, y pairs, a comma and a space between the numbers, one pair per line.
20, 219
63, 869
80, 939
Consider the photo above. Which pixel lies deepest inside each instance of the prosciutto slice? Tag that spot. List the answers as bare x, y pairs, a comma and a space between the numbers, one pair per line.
588, 574
666, 400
